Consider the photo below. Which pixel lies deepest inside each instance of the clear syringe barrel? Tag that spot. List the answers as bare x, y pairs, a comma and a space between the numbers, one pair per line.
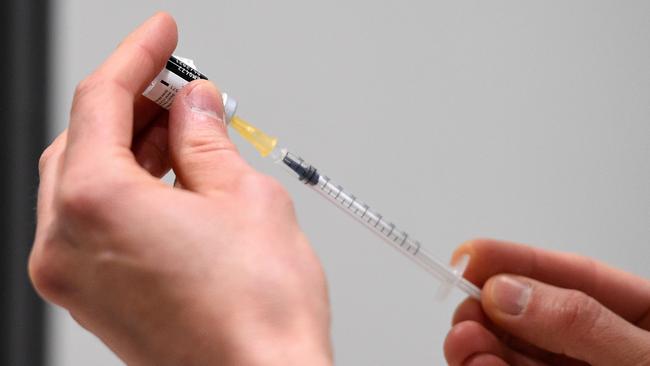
397, 238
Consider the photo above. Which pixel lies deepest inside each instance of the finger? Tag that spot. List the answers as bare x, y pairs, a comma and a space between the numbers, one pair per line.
151, 149
563, 321
624, 293
470, 309
203, 157
469, 339
484, 359
102, 112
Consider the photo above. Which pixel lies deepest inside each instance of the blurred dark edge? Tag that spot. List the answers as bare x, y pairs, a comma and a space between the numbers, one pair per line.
23, 104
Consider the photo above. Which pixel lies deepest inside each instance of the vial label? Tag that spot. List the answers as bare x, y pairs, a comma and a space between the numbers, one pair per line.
177, 73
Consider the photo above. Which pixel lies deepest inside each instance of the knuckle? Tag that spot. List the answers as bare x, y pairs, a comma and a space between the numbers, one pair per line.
45, 272
52, 151
45, 157
274, 191
145, 55
75, 202
82, 199
273, 187
206, 144
580, 314
264, 191
86, 86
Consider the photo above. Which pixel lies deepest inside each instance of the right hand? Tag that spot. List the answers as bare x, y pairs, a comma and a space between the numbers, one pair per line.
547, 308
215, 273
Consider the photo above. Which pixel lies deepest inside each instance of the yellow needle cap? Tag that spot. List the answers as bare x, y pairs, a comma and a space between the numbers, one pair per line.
262, 142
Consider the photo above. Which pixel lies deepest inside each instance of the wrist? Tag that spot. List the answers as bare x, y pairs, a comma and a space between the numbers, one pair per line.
245, 346
258, 346
242, 340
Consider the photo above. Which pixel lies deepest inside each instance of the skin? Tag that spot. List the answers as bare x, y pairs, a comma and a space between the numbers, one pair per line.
201, 274
579, 311
169, 276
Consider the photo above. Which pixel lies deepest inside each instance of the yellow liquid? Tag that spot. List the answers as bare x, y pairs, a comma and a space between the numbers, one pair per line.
262, 142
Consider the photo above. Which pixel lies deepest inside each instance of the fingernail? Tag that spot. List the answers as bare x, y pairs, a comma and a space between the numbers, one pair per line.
204, 100
510, 294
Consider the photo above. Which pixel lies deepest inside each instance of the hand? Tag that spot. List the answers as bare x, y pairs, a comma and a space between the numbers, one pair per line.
547, 308
215, 273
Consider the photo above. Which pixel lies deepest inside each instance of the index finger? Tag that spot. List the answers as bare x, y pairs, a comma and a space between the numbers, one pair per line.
622, 292
102, 111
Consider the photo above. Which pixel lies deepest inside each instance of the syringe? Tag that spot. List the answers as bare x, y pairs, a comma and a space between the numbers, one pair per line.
180, 71
375, 222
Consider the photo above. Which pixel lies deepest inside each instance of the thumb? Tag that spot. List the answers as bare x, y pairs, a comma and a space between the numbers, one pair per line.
202, 155
564, 321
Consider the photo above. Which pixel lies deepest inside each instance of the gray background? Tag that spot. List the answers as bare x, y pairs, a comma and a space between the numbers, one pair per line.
526, 121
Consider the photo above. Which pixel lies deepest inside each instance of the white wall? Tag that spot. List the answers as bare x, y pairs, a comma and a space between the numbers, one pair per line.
526, 121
